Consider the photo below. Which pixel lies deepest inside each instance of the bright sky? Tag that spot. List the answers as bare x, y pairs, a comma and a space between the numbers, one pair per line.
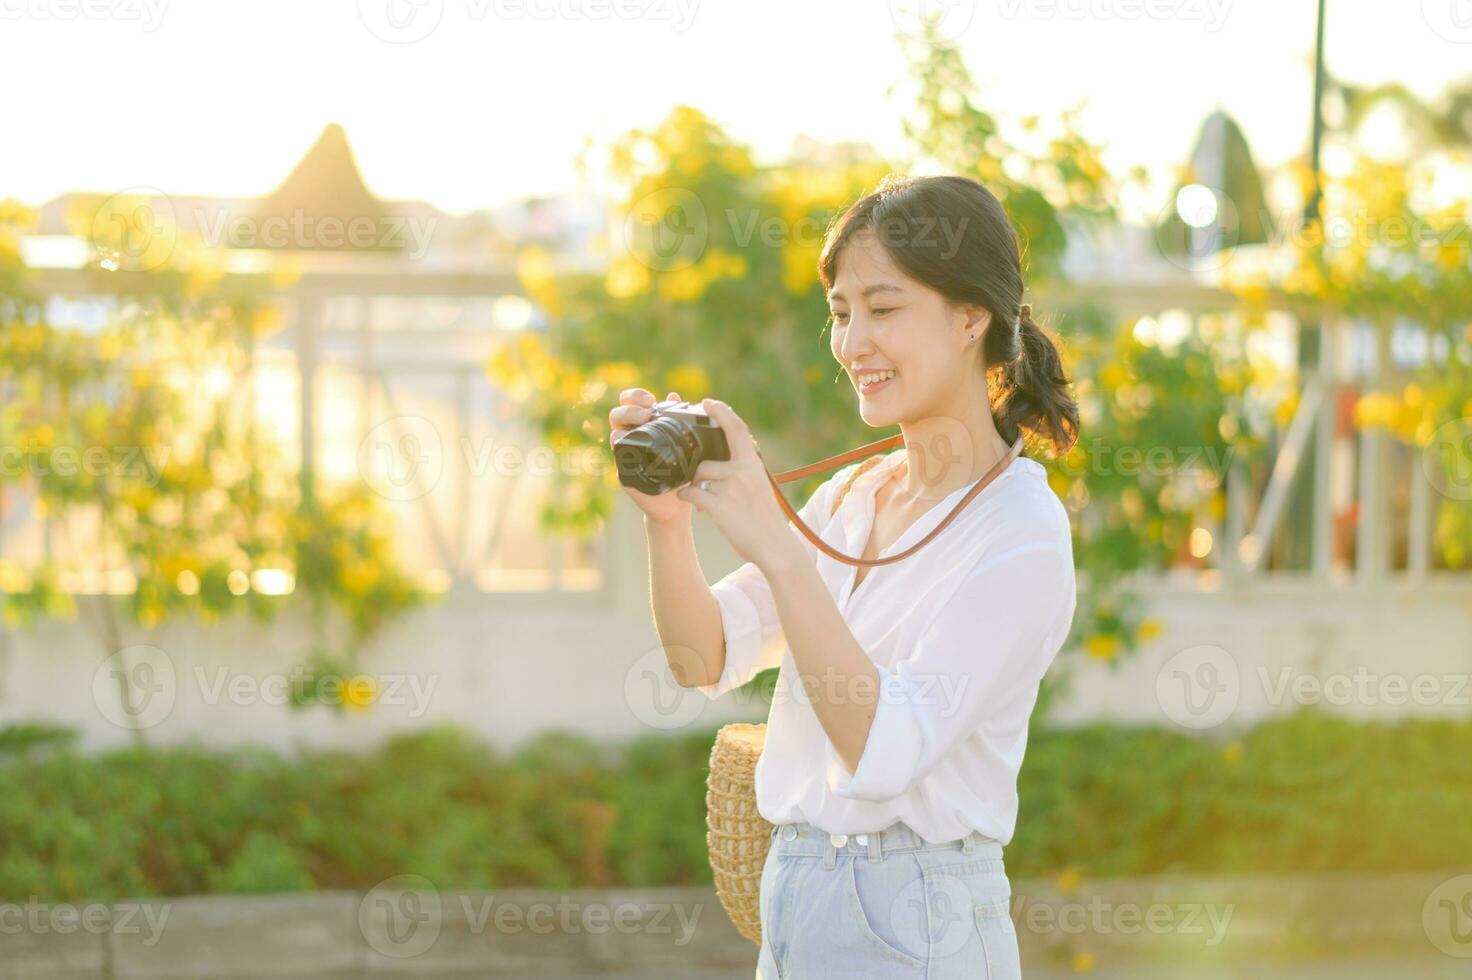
223, 96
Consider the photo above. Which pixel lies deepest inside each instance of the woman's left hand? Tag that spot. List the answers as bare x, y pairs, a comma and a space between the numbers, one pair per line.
739, 495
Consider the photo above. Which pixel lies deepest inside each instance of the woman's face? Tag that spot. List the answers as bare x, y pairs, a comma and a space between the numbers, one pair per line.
903, 345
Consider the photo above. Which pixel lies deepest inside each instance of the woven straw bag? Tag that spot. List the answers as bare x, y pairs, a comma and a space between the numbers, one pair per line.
737, 837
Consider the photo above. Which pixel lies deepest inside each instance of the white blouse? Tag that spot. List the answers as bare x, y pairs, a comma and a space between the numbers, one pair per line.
961, 632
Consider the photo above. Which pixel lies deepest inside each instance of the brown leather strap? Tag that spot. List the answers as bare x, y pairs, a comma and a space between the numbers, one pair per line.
866, 450
853, 477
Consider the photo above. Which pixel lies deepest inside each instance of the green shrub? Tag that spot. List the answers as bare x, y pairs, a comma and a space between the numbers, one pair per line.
1306, 793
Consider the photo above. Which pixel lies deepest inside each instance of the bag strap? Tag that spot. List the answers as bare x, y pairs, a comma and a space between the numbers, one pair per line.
866, 465
868, 450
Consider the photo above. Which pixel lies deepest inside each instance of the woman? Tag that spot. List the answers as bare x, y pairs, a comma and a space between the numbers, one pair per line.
900, 714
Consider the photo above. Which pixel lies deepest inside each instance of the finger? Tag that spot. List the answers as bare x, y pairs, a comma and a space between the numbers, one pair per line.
715, 469
629, 415
738, 436
636, 396
692, 494
673, 396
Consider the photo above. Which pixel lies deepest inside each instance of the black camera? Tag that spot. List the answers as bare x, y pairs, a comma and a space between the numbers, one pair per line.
662, 453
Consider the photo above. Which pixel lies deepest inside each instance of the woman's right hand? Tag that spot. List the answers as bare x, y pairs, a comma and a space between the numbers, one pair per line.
634, 405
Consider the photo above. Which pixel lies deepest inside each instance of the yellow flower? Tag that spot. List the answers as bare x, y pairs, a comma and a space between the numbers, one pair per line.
1375, 410
1218, 506
13, 578
618, 375
1283, 412
1102, 646
359, 692
1232, 753
690, 380
1083, 962
1149, 629
359, 576
1068, 880
626, 277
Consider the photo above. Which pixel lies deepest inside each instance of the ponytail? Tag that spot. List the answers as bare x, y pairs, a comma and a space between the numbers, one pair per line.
1035, 392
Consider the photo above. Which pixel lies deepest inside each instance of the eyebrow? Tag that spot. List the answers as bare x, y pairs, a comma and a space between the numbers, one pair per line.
878, 287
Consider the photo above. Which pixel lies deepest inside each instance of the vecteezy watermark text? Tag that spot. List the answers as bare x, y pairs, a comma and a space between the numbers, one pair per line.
148, 14
98, 918
402, 916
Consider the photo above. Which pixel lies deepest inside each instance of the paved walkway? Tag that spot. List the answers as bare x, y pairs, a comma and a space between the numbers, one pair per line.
1381, 968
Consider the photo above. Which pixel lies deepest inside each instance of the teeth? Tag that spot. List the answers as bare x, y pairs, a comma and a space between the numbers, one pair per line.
870, 377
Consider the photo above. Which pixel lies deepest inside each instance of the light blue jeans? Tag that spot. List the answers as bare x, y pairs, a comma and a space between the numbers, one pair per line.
886, 904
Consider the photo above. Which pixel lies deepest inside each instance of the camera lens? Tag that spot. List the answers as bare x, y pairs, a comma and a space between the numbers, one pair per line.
657, 456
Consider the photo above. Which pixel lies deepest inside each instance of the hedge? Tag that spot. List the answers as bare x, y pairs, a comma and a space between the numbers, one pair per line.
1308, 793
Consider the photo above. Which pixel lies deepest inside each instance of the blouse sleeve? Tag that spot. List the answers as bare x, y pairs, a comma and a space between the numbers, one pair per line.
753, 631
991, 642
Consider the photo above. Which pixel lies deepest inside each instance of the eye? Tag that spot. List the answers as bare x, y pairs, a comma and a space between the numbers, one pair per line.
837, 318
881, 310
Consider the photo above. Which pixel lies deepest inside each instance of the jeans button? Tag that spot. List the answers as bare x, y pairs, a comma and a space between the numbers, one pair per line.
839, 840
862, 840
789, 832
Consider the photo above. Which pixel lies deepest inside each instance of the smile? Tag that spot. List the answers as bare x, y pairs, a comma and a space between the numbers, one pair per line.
871, 381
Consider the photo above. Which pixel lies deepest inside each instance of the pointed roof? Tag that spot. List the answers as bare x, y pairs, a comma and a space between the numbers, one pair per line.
1221, 161
322, 199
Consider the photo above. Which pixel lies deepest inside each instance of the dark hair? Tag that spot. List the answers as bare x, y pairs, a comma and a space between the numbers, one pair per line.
952, 234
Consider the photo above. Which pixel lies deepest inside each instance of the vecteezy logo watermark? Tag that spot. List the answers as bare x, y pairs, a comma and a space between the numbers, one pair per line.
134, 230
1362, 687
403, 917
1450, 19
951, 17
1210, 13
136, 687
142, 463
403, 458
1103, 918
389, 690
1447, 917
401, 21
1447, 460
1202, 686
941, 235
300, 230
147, 14
1199, 687
1199, 230
408, 21
1104, 459
122, 919
667, 229
933, 916
655, 696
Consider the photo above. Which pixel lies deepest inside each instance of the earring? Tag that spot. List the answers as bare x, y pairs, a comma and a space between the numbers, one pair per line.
970, 340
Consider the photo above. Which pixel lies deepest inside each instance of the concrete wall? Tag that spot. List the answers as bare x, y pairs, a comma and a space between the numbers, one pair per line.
510, 667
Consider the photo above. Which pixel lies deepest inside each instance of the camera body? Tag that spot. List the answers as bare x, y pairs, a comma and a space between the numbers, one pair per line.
662, 453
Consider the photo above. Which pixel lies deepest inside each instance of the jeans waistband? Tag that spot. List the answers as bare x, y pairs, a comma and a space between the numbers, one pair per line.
804, 838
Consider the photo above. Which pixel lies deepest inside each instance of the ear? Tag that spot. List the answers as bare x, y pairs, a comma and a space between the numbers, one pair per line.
973, 321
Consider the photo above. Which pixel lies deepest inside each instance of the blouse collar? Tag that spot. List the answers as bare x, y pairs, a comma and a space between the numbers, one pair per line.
857, 507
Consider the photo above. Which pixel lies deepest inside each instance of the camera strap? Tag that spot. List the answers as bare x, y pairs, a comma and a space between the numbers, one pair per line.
869, 449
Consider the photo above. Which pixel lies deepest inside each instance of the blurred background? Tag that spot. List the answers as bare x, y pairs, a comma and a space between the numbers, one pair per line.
326, 646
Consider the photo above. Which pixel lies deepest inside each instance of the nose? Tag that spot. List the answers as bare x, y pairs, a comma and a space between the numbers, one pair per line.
854, 345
